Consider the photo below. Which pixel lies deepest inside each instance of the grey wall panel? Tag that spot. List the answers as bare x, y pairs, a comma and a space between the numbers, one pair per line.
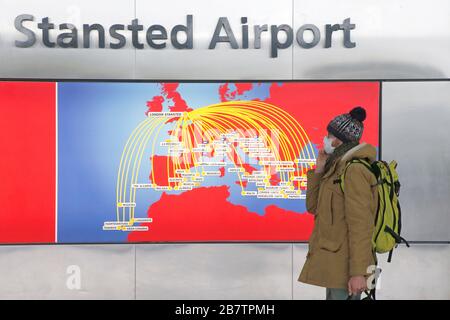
214, 271
203, 271
42, 62
222, 62
394, 39
418, 272
415, 132
47, 272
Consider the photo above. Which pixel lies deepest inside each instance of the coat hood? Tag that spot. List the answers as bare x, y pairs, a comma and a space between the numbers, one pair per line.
362, 150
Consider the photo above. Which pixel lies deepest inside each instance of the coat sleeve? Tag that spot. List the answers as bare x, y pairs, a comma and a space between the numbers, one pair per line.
312, 191
358, 199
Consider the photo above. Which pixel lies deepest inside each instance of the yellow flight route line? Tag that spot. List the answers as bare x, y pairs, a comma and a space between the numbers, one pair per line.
252, 126
187, 133
261, 130
176, 160
132, 155
249, 127
259, 116
287, 118
235, 165
288, 127
184, 133
290, 119
232, 112
216, 124
206, 133
137, 165
283, 141
308, 146
128, 156
286, 123
252, 115
131, 189
187, 160
197, 174
153, 149
183, 155
257, 127
123, 159
193, 156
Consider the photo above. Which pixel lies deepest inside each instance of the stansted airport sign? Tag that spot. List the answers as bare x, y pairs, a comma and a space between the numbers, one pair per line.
67, 35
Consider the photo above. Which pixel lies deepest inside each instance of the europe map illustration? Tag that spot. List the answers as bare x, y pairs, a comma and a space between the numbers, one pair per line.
192, 161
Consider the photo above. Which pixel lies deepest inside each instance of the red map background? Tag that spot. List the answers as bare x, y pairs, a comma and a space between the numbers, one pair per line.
314, 104
27, 164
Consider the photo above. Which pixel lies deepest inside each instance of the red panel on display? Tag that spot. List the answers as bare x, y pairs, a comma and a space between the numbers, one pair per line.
27, 164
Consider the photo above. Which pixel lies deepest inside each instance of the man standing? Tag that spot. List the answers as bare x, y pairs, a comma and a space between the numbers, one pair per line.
340, 247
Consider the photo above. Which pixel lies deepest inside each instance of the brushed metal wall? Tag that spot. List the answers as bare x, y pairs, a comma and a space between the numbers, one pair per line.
222, 62
401, 39
394, 39
404, 39
415, 117
45, 272
214, 271
415, 132
41, 62
201, 271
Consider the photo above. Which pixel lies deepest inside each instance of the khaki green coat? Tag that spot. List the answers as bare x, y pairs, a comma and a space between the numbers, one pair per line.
341, 242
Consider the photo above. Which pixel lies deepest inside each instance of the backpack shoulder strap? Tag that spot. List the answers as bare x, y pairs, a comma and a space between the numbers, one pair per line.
365, 161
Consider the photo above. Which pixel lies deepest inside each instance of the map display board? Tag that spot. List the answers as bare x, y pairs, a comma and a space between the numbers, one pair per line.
117, 162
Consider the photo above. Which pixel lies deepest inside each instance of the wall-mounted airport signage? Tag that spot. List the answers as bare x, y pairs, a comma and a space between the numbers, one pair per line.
232, 40
181, 36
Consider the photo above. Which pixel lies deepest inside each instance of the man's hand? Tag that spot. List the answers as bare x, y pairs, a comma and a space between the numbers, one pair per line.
357, 285
321, 160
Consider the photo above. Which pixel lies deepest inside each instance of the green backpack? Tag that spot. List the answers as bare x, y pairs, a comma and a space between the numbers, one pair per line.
388, 221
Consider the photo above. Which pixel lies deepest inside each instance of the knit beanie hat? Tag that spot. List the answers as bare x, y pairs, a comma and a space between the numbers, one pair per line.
348, 127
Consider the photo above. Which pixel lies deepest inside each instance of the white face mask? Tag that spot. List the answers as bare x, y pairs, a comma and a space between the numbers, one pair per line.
329, 149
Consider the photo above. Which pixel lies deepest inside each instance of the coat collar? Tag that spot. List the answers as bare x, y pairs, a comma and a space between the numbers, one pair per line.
348, 155
344, 158
331, 170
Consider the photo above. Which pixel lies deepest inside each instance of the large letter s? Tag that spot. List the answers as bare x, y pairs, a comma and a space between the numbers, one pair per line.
31, 37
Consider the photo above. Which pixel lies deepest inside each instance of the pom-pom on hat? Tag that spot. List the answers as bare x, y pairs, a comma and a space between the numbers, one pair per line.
348, 127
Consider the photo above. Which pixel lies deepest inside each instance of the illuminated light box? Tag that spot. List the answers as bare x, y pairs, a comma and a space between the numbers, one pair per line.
117, 162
